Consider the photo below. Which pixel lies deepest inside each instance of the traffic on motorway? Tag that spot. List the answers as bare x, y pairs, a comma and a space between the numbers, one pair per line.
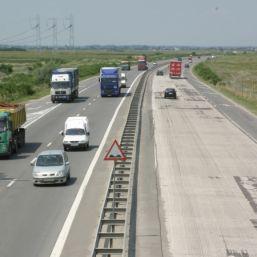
53, 166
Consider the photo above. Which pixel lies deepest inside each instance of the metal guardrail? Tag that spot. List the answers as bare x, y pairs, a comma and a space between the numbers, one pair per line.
113, 231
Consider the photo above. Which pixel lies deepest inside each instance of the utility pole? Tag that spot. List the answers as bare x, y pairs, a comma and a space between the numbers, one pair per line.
53, 27
37, 29
70, 28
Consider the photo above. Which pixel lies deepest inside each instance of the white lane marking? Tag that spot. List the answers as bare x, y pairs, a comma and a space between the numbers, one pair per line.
30, 123
49, 144
77, 114
94, 100
81, 91
34, 159
225, 105
89, 103
59, 244
34, 108
41, 116
11, 183
98, 96
84, 109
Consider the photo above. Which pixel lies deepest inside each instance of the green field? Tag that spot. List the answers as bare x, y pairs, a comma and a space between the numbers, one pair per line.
25, 75
236, 77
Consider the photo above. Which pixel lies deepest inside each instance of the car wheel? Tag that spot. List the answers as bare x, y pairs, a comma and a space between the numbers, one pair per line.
65, 148
67, 179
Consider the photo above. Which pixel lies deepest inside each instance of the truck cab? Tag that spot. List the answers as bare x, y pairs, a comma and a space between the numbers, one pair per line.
109, 81
64, 84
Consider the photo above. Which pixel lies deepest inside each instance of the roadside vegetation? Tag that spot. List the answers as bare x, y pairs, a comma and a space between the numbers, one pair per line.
234, 75
25, 75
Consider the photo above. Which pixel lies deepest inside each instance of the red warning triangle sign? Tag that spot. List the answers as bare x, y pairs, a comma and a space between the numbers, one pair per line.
115, 153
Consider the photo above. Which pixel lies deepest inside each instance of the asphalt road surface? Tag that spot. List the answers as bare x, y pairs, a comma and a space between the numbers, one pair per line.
32, 217
198, 183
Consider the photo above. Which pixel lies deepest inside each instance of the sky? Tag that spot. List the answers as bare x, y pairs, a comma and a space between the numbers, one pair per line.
151, 22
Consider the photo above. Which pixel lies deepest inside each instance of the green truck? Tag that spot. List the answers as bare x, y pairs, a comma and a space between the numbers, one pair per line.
12, 135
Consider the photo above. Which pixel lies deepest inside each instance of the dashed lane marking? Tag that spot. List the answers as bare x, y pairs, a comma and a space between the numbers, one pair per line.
59, 244
11, 183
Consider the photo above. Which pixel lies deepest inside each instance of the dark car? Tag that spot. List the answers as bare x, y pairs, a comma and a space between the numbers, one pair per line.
186, 65
159, 73
170, 93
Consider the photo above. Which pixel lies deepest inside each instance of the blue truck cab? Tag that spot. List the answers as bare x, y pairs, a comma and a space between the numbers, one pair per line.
109, 81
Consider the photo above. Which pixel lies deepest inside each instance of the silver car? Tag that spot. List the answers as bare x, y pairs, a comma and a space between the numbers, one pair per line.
51, 167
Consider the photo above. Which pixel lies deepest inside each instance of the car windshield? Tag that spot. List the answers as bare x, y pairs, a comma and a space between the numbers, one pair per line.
57, 85
75, 132
49, 160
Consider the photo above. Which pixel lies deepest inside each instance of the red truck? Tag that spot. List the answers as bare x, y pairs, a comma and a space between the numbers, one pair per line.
175, 69
142, 63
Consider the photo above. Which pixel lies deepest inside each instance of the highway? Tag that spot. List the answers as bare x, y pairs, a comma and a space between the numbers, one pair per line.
196, 184
196, 192
32, 217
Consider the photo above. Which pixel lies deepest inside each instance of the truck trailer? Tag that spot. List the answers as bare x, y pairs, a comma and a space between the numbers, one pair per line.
64, 84
175, 69
12, 135
110, 81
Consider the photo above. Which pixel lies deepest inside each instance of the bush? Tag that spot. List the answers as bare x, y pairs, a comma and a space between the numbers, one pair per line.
43, 74
17, 86
207, 74
93, 69
6, 68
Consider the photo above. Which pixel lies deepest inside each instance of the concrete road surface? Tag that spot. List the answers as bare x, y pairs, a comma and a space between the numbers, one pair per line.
197, 186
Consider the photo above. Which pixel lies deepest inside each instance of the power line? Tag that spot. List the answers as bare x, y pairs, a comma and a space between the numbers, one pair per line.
39, 36
14, 36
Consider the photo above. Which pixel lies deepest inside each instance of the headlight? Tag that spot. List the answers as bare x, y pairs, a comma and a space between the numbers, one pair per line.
82, 141
59, 173
35, 175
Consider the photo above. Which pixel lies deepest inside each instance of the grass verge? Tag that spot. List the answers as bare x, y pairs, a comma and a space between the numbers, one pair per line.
233, 76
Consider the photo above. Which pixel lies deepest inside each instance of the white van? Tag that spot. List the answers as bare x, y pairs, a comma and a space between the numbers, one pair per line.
76, 133
123, 80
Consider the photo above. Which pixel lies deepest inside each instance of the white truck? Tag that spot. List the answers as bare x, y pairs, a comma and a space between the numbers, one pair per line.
123, 80
64, 84
76, 133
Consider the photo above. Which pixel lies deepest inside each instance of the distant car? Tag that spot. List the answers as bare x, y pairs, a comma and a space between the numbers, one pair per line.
186, 65
154, 64
170, 93
51, 167
159, 73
